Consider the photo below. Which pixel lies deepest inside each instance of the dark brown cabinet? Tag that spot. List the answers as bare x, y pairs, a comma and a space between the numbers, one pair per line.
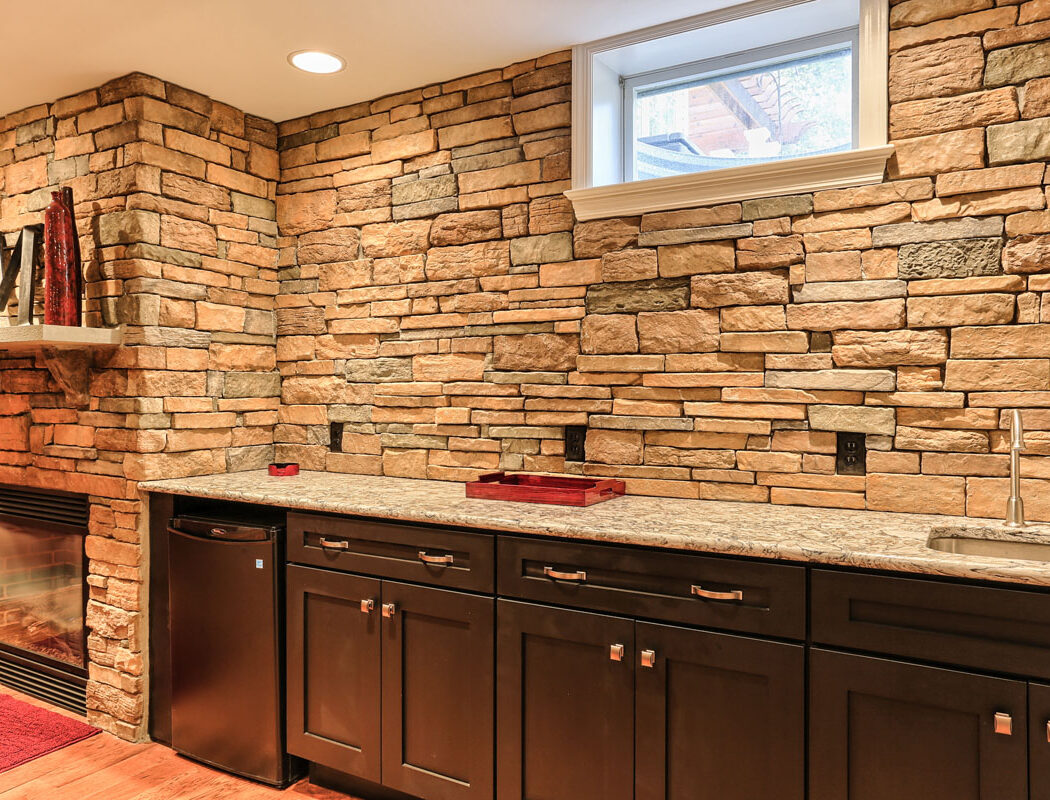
392, 683
606, 708
718, 716
334, 670
565, 704
882, 728
438, 716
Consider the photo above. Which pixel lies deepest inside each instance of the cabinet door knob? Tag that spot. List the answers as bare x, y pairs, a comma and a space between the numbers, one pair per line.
389, 610
367, 606
1003, 724
648, 659
616, 652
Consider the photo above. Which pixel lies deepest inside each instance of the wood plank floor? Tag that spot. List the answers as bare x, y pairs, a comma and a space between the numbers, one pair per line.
106, 768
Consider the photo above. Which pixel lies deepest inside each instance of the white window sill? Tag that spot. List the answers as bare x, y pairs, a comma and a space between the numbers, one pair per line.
859, 167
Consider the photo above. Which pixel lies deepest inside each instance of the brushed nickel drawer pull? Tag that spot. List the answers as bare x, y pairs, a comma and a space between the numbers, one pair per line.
1003, 724
445, 561
328, 544
708, 594
648, 659
616, 652
578, 575
389, 610
368, 606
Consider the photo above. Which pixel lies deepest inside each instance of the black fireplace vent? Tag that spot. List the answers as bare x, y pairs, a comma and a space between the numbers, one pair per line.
44, 504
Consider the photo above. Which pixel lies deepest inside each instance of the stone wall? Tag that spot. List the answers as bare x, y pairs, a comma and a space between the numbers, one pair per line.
443, 314
174, 199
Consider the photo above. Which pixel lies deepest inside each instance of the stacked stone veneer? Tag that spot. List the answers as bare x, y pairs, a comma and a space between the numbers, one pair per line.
440, 312
174, 198
441, 304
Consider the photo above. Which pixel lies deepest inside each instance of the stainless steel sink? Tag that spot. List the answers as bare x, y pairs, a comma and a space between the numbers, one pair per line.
990, 546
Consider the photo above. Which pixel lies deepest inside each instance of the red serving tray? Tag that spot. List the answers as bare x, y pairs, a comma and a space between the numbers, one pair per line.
525, 488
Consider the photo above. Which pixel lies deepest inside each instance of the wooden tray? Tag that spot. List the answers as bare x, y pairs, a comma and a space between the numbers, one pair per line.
525, 488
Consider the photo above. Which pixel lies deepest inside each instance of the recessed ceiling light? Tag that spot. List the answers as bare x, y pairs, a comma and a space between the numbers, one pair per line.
316, 61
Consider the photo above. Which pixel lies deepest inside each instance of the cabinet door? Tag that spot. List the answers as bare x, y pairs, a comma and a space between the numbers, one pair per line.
334, 670
1039, 740
565, 704
883, 729
438, 717
718, 716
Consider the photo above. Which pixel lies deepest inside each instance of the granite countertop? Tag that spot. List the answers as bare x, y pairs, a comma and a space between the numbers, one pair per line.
865, 539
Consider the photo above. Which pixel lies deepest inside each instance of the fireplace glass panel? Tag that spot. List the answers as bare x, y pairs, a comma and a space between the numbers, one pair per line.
42, 589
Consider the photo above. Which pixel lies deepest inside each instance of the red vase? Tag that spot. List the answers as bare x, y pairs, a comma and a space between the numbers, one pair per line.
62, 274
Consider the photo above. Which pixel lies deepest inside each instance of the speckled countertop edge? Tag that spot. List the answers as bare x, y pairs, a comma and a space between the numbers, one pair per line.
862, 539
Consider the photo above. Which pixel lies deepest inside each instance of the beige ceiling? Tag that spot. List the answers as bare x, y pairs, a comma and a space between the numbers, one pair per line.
236, 50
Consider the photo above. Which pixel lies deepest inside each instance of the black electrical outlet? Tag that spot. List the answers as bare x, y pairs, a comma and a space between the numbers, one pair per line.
335, 437
851, 454
575, 442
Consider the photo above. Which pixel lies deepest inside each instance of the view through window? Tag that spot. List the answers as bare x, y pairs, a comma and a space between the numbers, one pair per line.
799, 106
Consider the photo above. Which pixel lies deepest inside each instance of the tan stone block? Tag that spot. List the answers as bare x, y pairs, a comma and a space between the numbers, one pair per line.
614, 447
550, 215
468, 261
937, 154
609, 333
890, 348
997, 375
520, 174
629, 265
732, 492
874, 315
892, 462
692, 218
403, 147
396, 238
542, 351
696, 259
465, 227
620, 363
845, 266
184, 234
966, 24
769, 252
998, 202
954, 418
678, 331
853, 218
936, 114
1027, 254
978, 285
771, 342
769, 462
25, 176
991, 179
308, 211
916, 494
975, 309
1035, 97
451, 367
1012, 341
936, 70
595, 239
758, 411
714, 291
753, 318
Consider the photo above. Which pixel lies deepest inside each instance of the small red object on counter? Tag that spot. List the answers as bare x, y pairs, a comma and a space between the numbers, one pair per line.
284, 470
551, 489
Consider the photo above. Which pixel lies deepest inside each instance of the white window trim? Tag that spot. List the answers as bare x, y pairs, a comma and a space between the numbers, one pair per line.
864, 165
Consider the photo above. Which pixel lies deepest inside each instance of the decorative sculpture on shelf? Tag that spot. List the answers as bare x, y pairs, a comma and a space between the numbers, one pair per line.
63, 277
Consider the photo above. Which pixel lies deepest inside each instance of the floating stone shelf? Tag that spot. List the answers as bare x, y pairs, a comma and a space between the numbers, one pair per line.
59, 337
64, 350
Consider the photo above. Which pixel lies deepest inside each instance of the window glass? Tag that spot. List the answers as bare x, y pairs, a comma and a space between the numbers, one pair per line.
801, 106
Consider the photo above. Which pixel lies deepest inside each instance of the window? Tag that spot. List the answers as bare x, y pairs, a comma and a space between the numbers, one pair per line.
801, 107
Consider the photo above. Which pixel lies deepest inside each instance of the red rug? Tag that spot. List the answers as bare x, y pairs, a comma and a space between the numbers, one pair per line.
28, 732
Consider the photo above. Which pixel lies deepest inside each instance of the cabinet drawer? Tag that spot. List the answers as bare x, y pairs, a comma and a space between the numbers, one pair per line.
393, 550
710, 592
1002, 630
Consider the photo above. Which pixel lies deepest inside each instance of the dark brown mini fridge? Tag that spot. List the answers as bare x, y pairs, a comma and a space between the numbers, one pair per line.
225, 594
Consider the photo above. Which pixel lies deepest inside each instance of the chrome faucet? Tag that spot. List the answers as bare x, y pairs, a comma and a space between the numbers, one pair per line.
1015, 505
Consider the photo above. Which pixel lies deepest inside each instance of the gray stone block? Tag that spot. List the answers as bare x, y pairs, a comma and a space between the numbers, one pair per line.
963, 258
666, 294
917, 232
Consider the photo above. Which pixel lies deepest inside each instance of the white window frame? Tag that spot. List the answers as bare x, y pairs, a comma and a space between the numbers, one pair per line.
864, 164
